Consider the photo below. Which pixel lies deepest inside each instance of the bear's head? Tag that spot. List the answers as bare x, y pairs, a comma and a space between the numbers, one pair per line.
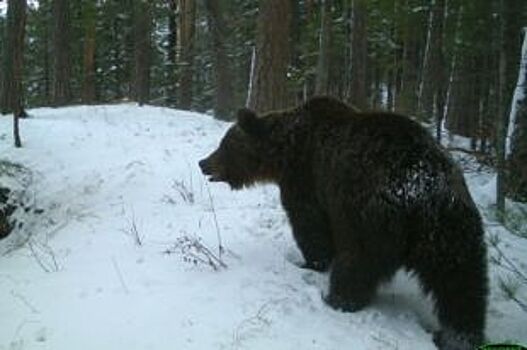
247, 154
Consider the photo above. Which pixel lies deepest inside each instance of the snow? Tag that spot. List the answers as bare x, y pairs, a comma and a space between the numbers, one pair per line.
120, 187
518, 97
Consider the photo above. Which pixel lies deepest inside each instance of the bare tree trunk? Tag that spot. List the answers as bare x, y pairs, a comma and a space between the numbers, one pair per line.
431, 89
47, 67
406, 100
324, 53
376, 90
88, 82
61, 90
12, 92
348, 30
13, 48
516, 140
390, 86
142, 48
172, 52
359, 54
269, 84
187, 18
394, 72
454, 70
224, 89
501, 123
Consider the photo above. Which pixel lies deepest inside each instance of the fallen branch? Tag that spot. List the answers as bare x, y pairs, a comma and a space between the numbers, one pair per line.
194, 251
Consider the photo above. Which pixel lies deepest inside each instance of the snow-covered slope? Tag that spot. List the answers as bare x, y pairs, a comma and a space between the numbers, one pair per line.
118, 259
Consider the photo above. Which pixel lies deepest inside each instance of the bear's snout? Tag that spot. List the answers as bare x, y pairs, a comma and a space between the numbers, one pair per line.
205, 167
210, 168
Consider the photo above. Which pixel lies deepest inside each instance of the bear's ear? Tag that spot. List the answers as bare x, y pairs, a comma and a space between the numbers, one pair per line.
251, 123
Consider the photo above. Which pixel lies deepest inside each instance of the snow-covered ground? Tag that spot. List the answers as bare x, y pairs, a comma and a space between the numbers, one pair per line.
110, 264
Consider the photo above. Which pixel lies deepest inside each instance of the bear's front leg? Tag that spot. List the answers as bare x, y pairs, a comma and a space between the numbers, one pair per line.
311, 231
351, 285
354, 278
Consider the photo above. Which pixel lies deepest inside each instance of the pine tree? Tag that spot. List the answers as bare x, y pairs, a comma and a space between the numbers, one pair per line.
359, 54
187, 23
324, 55
62, 69
13, 61
516, 142
89, 15
269, 88
171, 53
142, 51
432, 89
223, 105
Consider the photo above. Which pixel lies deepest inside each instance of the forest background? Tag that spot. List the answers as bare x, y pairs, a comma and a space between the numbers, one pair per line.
452, 64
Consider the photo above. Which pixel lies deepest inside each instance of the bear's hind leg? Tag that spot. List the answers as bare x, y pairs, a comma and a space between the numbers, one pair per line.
460, 292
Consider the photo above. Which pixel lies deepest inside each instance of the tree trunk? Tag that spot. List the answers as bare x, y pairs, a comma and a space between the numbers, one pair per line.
88, 82
269, 82
463, 103
432, 80
3, 44
501, 121
324, 53
516, 141
172, 53
359, 54
47, 63
142, 51
462, 110
61, 90
13, 59
223, 105
12, 91
187, 19
406, 101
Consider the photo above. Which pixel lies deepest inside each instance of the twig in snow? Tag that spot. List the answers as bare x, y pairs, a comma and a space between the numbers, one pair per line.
218, 233
194, 251
26, 302
503, 261
511, 287
42, 252
133, 231
184, 191
120, 275
254, 323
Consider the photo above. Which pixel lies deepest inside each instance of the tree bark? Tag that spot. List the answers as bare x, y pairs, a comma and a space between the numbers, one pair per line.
12, 92
269, 90
172, 52
61, 89
187, 19
431, 92
13, 59
516, 141
324, 53
501, 121
223, 105
359, 55
406, 101
88, 82
142, 51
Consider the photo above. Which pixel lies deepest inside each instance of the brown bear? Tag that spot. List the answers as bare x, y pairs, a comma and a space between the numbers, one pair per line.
366, 194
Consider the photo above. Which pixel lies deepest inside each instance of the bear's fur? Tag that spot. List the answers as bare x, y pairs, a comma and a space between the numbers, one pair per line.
367, 194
